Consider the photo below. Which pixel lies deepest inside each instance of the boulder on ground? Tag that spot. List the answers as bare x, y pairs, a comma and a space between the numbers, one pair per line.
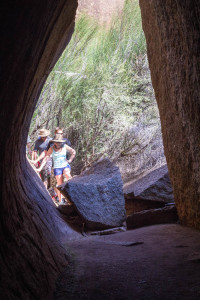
164, 215
97, 195
155, 186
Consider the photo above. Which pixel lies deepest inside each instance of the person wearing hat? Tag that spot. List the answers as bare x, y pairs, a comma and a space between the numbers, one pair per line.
60, 131
53, 181
42, 145
61, 164
66, 141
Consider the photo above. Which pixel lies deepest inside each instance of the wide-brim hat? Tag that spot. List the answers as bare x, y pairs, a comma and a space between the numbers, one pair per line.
58, 138
44, 132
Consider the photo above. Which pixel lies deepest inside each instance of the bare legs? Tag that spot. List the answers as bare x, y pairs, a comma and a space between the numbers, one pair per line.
59, 179
67, 173
45, 184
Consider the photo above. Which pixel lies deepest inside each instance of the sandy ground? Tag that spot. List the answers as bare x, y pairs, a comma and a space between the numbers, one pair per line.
155, 262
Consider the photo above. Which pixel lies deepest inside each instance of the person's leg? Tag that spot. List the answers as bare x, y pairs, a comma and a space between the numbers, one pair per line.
59, 179
67, 173
45, 183
49, 166
53, 183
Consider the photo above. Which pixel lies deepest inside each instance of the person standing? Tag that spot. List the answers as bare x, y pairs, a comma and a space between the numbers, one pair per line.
41, 147
59, 130
53, 180
60, 163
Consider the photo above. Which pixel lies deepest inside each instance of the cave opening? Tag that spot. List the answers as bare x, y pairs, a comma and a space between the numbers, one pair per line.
31, 230
100, 94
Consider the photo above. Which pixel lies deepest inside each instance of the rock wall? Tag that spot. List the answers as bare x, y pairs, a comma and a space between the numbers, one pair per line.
33, 35
172, 31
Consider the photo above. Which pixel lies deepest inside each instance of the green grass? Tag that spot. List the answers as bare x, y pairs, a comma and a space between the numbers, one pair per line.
100, 87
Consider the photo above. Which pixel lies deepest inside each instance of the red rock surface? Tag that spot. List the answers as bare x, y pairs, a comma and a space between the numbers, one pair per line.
101, 10
161, 264
173, 42
33, 35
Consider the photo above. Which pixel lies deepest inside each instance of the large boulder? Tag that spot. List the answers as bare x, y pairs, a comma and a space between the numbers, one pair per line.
97, 195
155, 186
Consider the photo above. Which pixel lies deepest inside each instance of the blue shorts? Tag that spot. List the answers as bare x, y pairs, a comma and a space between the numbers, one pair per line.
59, 171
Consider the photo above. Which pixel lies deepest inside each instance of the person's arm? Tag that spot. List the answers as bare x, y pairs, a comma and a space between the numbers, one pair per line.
34, 155
32, 165
72, 153
45, 157
42, 164
35, 159
34, 152
42, 155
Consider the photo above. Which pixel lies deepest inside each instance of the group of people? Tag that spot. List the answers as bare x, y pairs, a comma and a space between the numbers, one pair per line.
53, 153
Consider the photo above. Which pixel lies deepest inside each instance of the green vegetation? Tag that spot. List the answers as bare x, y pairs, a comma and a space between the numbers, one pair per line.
100, 92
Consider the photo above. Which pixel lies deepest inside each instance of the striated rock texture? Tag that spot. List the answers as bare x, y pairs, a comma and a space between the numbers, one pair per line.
164, 215
150, 191
155, 185
33, 35
172, 30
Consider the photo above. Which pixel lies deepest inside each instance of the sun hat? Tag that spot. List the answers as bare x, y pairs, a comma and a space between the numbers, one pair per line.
44, 132
58, 138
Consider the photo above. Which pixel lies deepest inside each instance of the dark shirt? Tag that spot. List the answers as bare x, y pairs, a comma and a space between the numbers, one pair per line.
41, 145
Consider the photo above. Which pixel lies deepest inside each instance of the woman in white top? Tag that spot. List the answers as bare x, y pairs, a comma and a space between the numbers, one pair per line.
60, 163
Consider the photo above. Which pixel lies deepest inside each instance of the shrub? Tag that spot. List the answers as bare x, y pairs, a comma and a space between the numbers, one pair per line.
100, 92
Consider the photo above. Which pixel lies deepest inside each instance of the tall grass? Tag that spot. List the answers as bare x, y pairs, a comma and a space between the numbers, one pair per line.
100, 90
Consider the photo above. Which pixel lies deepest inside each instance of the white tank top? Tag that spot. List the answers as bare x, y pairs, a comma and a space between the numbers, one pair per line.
59, 158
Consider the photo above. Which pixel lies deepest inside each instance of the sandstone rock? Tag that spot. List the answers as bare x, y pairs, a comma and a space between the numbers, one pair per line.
98, 195
66, 209
31, 231
172, 35
154, 186
163, 215
26, 226
135, 205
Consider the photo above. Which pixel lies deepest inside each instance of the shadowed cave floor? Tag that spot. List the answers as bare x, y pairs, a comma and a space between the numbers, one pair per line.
164, 265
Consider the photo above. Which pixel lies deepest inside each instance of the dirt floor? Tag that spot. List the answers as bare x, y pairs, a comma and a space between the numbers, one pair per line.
155, 262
